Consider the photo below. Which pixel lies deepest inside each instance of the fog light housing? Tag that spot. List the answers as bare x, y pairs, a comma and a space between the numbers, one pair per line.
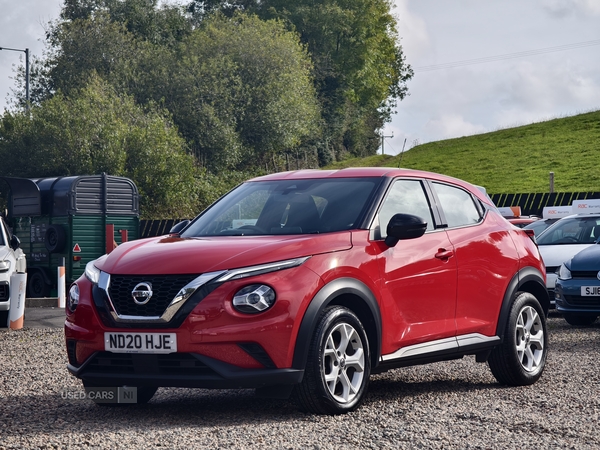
254, 298
73, 297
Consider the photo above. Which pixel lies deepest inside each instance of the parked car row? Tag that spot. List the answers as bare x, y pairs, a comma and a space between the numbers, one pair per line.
571, 254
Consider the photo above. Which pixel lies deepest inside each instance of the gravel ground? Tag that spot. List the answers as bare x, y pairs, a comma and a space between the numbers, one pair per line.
446, 405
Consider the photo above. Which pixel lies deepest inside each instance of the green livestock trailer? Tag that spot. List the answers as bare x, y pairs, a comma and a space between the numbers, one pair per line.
69, 220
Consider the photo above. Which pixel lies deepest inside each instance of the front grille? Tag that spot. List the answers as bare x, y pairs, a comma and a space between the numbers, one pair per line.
552, 269
164, 290
578, 300
184, 364
585, 274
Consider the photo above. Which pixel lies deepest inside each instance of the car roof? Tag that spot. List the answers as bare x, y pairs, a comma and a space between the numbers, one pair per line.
364, 172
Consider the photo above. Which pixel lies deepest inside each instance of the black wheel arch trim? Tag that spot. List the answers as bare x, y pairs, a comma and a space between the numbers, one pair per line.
527, 279
329, 295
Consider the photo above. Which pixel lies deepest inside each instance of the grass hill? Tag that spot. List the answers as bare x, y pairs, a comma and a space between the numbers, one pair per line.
512, 160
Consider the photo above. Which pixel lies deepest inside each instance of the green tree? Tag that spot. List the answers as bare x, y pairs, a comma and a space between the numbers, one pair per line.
240, 89
359, 68
95, 130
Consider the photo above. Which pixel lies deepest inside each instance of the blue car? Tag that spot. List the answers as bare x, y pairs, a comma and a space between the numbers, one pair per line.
577, 292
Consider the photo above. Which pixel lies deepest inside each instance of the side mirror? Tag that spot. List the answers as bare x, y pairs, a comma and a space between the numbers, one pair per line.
15, 242
179, 226
404, 226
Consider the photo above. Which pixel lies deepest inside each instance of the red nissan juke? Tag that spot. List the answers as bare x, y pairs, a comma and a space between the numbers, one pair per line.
305, 283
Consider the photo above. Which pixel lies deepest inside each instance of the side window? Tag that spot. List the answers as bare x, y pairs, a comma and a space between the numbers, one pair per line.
408, 197
458, 205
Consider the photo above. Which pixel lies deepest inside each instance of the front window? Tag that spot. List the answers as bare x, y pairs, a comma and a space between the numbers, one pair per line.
406, 197
287, 207
576, 230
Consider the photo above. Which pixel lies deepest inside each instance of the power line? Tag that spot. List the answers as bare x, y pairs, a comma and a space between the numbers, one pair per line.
469, 62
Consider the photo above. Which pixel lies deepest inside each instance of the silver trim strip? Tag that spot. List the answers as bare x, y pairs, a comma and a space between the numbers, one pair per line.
263, 268
439, 345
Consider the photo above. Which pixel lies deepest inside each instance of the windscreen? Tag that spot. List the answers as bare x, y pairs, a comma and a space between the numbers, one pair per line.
287, 207
576, 230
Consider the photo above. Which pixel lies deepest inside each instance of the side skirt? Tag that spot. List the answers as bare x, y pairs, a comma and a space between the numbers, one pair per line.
439, 350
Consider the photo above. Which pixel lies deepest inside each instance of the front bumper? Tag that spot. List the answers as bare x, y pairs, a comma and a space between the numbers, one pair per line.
568, 298
177, 370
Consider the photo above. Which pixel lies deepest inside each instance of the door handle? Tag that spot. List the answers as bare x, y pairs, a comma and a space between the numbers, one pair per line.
444, 254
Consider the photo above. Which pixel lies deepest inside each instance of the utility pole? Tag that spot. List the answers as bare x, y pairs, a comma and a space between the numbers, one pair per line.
382, 138
26, 51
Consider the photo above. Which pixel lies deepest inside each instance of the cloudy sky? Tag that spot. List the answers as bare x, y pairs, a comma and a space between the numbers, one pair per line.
480, 65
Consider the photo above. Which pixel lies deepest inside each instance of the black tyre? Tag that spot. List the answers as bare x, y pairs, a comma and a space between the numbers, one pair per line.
37, 286
338, 366
520, 359
144, 395
55, 238
580, 320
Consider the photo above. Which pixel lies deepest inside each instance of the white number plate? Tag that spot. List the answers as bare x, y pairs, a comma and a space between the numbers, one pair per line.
590, 291
140, 342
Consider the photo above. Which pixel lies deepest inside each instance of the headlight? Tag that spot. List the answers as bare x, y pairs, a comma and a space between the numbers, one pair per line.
92, 273
254, 298
4, 265
563, 273
73, 298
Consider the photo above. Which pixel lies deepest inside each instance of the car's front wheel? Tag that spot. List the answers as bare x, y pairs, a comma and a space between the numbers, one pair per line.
338, 367
521, 357
580, 320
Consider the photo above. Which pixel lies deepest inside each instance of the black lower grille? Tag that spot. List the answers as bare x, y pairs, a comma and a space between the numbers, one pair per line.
184, 364
164, 289
4, 293
72, 352
585, 274
577, 300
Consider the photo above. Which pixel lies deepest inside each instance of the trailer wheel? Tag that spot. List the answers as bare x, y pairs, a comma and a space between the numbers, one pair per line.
37, 286
55, 238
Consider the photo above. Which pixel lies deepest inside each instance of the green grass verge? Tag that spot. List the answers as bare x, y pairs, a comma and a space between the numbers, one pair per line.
512, 160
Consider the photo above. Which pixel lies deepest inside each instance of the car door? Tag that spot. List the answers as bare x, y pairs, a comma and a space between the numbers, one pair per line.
485, 255
419, 275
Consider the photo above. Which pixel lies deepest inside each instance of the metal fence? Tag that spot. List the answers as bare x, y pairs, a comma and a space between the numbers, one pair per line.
533, 204
150, 228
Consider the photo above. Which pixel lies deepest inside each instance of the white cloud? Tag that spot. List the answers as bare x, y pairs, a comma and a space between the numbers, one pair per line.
412, 29
452, 125
564, 8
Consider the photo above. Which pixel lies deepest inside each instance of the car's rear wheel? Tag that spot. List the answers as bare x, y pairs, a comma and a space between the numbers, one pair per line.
338, 367
521, 357
580, 320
